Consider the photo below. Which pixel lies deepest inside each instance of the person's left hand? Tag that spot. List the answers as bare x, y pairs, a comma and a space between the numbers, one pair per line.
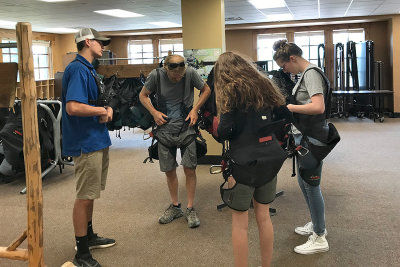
193, 116
109, 114
290, 107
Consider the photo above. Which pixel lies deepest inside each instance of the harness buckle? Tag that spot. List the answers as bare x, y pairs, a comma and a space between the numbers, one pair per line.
302, 151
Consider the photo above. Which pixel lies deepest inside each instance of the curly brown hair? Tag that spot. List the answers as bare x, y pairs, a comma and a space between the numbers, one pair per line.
240, 85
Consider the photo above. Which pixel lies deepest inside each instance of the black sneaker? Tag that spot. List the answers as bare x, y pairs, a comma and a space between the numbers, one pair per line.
85, 260
96, 241
99, 242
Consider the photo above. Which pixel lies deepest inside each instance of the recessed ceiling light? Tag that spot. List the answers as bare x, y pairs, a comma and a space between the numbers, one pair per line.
55, 1
165, 24
119, 13
280, 17
7, 23
62, 30
263, 4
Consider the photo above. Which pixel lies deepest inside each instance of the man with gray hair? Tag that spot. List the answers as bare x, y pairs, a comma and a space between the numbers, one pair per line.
175, 117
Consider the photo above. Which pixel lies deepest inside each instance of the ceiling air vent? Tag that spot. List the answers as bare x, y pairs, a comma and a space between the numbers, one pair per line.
233, 18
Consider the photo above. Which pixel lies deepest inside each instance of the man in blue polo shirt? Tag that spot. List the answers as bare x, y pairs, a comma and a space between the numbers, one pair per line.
86, 139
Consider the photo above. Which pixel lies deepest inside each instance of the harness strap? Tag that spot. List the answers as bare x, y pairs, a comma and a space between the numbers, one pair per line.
294, 167
99, 88
265, 139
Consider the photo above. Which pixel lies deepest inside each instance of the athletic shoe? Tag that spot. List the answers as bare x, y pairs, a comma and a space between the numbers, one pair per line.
170, 214
192, 218
85, 260
315, 244
99, 242
96, 241
307, 229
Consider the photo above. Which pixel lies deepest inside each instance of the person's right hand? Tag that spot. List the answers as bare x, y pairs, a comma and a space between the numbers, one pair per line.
105, 117
160, 118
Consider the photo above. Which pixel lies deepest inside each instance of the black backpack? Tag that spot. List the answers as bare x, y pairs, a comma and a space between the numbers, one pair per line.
128, 111
12, 138
208, 112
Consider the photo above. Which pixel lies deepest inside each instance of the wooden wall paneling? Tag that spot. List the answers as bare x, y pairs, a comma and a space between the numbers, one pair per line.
8, 83
329, 49
156, 52
126, 71
290, 36
254, 45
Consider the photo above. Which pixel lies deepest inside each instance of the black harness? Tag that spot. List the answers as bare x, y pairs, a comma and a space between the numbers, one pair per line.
313, 126
255, 156
201, 145
104, 97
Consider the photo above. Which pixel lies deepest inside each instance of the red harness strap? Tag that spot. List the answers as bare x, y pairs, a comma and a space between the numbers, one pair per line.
298, 148
265, 139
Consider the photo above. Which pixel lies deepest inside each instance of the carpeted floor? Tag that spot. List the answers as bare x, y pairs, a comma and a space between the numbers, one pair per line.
361, 185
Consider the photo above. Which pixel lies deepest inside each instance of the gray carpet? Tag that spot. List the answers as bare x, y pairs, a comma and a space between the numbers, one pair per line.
361, 186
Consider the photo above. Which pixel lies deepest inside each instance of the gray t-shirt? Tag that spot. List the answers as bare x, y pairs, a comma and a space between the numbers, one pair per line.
311, 84
173, 94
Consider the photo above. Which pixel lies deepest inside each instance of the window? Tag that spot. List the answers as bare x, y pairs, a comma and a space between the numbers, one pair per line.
265, 51
9, 54
309, 42
41, 58
343, 36
140, 52
174, 45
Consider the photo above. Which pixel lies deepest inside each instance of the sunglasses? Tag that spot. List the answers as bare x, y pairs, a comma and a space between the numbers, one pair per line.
175, 65
99, 42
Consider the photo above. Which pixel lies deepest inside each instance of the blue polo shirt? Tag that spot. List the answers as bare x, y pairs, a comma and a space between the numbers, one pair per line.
81, 134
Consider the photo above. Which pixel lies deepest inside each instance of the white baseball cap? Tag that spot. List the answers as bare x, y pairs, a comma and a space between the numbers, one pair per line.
92, 34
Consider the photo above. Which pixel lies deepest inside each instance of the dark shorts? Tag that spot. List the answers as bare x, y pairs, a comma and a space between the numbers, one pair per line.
239, 196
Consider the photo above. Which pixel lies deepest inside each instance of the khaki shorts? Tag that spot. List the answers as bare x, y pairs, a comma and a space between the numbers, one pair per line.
91, 173
240, 195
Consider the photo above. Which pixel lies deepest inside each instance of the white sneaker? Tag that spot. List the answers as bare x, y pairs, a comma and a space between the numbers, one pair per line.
315, 244
307, 229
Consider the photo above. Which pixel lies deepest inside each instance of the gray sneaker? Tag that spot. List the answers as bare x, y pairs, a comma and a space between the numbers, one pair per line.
171, 214
192, 218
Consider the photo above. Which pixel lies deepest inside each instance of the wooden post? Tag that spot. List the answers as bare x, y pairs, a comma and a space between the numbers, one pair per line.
329, 60
14, 245
31, 145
